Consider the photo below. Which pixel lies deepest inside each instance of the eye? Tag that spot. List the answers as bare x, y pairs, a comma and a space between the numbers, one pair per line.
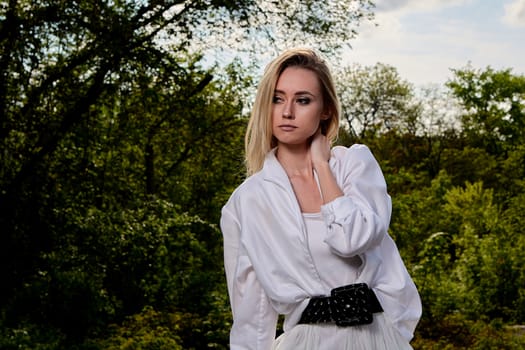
303, 100
277, 99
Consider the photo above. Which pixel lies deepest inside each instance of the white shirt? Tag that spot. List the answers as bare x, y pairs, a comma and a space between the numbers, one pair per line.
334, 270
270, 268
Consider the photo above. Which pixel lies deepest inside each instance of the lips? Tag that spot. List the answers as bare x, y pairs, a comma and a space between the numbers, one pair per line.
287, 127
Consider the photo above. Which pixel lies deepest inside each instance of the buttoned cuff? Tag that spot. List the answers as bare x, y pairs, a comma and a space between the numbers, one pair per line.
336, 211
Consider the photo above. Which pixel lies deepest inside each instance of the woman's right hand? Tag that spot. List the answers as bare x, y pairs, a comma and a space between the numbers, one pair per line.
319, 149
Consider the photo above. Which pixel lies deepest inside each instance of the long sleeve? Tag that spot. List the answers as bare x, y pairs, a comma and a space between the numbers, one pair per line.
358, 221
357, 224
395, 288
254, 319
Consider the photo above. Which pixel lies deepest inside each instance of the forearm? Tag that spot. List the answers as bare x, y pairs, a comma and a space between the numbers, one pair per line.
329, 188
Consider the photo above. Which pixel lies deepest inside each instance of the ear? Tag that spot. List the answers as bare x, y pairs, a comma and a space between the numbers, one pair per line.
326, 114
323, 125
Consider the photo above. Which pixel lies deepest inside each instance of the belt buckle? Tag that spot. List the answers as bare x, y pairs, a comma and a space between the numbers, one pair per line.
350, 305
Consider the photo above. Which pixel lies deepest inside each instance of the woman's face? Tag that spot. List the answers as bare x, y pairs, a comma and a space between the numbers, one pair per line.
297, 106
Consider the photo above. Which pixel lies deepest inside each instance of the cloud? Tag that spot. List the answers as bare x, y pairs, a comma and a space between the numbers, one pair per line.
424, 40
419, 56
515, 13
415, 5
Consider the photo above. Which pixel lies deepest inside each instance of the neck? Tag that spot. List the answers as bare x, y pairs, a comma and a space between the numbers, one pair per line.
295, 160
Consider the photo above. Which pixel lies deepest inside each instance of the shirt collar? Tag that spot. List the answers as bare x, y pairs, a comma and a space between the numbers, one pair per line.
273, 170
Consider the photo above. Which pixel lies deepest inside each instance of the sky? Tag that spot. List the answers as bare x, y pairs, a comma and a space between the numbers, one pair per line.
425, 39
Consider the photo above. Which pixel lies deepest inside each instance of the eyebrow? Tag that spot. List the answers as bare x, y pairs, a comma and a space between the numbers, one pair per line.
297, 93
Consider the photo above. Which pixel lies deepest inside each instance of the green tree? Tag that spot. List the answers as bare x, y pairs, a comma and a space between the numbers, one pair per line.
118, 149
493, 102
375, 99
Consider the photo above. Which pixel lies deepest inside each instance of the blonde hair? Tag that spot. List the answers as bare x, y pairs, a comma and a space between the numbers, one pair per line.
259, 138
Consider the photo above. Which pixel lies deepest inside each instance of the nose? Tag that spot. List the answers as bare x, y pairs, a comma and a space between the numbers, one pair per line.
287, 112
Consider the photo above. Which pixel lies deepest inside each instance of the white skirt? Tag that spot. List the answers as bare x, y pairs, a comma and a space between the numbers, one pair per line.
379, 335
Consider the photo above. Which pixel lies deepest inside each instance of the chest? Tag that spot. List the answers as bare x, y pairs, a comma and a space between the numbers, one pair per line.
308, 195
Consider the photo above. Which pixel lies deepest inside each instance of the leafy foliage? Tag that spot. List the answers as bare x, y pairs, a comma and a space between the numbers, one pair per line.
118, 149
375, 99
494, 106
457, 192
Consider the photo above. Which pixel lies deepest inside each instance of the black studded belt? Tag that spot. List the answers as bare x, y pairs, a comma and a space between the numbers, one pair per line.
349, 305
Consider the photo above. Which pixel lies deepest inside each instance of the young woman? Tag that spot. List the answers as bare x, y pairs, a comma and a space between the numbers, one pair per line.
305, 235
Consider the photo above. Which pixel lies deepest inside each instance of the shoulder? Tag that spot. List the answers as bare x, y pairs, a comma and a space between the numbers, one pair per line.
245, 192
356, 152
356, 161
